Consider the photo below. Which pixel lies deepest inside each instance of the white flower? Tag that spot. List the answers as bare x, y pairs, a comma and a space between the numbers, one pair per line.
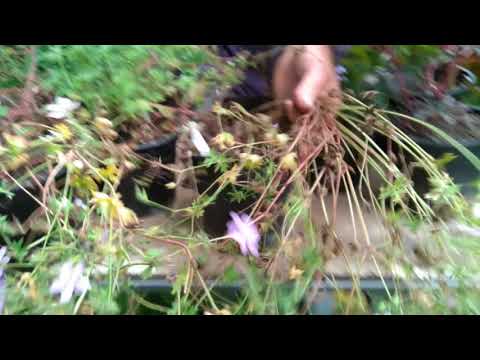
61, 108
198, 140
69, 281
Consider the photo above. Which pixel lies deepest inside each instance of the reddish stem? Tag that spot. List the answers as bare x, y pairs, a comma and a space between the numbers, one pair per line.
301, 167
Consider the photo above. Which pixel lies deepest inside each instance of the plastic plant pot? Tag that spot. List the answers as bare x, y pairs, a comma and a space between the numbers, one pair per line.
163, 149
22, 205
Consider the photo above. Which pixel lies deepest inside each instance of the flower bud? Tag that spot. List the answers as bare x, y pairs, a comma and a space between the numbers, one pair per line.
251, 161
224, 140
289, 162
282, 139
171, 186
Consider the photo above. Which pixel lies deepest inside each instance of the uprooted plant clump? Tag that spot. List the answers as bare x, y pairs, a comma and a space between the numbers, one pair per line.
256, 183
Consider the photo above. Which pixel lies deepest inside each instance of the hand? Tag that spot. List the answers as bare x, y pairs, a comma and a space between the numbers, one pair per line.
303, 76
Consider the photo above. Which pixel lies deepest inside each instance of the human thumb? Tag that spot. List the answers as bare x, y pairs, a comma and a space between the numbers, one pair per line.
307, 91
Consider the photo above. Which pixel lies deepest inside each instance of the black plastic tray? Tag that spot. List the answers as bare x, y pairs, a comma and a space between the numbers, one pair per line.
324, 303
462, 171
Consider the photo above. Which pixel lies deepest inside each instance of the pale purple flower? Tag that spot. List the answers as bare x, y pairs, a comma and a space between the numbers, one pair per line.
2, 293
341, 72
4, 259
69, 281
79, 203
243, 230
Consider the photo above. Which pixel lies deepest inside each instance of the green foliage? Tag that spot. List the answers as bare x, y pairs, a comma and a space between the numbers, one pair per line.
19, 250
416, 57
220, 162
126, 80
100, 302
365, 60
393, 70
361, 61
6, 229
14, 64
395, 191
470, 96
239, 194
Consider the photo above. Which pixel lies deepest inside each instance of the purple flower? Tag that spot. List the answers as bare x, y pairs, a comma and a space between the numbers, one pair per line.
341, 72
2, 293
244, 231
3, 261
70, 280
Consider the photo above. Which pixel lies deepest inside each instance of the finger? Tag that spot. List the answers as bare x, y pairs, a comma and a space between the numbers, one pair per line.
311, 85
292, 114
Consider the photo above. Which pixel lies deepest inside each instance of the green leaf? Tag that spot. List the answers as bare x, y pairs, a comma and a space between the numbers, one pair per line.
219, 161
3, 111
19, 250
240, 194
445, 160
98, 299
5, 228
5, 192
